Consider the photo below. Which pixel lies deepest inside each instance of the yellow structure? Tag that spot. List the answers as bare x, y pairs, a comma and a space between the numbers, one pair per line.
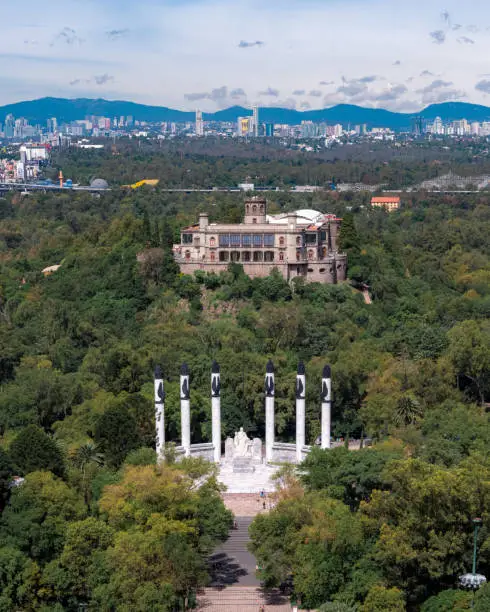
150, 182
389, 203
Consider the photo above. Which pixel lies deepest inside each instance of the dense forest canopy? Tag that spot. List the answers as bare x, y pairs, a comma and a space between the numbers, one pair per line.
204, 163
411, 371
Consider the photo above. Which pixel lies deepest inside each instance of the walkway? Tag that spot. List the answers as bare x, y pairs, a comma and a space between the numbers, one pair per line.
234, 586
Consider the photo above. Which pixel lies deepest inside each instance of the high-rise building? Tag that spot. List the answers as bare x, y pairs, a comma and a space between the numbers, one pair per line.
52, 125
437, 126
244, 125
199, 124
9, 126
475, 128
255, 111
269, 130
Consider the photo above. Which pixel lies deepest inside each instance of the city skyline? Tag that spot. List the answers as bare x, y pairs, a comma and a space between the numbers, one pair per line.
208, 54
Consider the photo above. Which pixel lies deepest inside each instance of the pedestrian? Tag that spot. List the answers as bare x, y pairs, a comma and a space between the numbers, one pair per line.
262, 494
263, 505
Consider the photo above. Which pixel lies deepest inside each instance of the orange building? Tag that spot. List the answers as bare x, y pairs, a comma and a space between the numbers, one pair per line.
389, 203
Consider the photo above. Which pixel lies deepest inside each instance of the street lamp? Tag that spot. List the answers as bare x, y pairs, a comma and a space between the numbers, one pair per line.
473, 581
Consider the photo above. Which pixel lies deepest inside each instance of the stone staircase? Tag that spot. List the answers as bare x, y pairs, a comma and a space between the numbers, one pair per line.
231, 563
242, 599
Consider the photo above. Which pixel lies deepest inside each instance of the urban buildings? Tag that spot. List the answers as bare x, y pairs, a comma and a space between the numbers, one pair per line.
255, 118
302, 244
199, 124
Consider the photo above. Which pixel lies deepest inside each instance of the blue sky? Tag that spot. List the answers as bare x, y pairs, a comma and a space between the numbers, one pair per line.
210, 54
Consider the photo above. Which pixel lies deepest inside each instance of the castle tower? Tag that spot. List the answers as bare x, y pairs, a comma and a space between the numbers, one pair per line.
255, 210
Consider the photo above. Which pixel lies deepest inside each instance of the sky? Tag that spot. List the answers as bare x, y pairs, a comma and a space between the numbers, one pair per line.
212, 54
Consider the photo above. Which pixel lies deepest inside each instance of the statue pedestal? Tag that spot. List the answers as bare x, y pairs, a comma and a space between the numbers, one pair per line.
243, 465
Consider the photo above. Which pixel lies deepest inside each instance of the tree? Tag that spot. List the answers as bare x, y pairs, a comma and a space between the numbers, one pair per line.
72, 577
382, 599
348, 476
117, 435
469, 352
38, 514
34, 450
449, 600
6, 473
312, 540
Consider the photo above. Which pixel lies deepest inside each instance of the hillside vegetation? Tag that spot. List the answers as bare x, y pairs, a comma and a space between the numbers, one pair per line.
97, 523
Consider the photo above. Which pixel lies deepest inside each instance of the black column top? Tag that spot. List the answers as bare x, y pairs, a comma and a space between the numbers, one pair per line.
301, 368
270, 367
327, 372
215, 369
158, 373
184, 370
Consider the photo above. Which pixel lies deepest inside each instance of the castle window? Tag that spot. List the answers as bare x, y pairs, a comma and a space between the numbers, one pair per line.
269, 256
281, 256
323, 236
187, 238
234, 240
322, 269
298, 240
254, 209
261, 208
298, 255
224, 240
310, 269
257, 240
324, 252
258, 256
254, 220
310, 238
311, 254
281, 241
213, 256
269, 240
235, 256
224, 256
246, 240
246, 256
212, 242
187, 254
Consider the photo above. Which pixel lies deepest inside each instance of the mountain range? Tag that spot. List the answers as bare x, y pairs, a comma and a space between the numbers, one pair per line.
66, 110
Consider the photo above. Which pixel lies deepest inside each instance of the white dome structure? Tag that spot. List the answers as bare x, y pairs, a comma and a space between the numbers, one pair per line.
99, 183
305, 216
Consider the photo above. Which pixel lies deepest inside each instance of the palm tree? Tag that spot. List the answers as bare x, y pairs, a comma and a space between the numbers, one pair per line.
87, 455
87, 459
408, 410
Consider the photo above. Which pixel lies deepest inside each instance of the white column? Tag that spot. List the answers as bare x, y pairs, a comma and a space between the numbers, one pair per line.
216, 410
185, 410
269, 411
159, 413
300, 411
326, 406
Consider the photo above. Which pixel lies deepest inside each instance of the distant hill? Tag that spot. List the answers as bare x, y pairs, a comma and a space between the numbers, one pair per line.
38, 111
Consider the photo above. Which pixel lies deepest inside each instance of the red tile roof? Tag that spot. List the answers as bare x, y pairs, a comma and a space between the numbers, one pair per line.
385, 200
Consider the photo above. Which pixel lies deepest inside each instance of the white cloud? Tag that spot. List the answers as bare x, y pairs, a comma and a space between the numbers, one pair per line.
158, 50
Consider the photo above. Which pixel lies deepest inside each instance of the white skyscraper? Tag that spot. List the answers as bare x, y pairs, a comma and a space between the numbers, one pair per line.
255, 110
199, 124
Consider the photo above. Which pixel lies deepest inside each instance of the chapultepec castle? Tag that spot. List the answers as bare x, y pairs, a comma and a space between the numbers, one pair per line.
301, 243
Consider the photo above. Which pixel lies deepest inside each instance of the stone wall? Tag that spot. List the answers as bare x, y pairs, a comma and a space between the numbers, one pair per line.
206, 451
285, 452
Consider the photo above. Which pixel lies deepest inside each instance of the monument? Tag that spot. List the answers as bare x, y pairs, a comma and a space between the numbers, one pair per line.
243, 454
